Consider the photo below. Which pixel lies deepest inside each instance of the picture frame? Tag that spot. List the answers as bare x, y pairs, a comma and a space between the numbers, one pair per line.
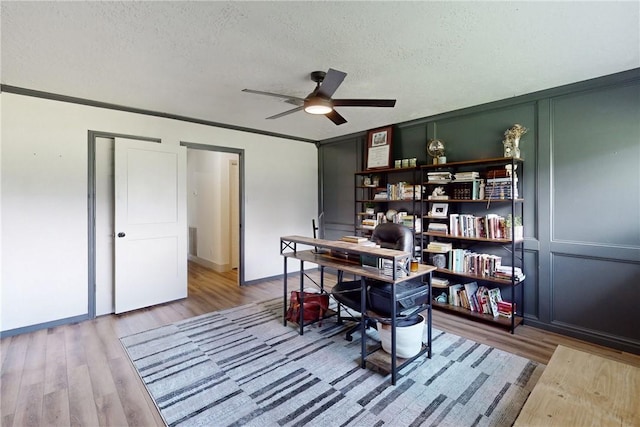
379, 148
439, 210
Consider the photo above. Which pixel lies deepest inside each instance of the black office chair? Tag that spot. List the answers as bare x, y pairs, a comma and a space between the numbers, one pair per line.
348, 293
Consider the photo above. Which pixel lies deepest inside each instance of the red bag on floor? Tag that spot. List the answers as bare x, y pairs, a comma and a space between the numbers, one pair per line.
315, 306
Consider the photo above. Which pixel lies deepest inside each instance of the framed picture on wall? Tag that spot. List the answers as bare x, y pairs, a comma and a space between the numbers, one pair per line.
379, 145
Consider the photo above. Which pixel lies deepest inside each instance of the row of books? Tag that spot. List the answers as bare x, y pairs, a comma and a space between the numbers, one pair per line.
468, 262
410, 221
490, 226
404, 218
465, 261
404, 191
501, 189
480, 299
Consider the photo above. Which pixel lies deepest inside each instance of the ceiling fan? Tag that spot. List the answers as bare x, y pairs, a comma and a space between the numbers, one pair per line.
320, 102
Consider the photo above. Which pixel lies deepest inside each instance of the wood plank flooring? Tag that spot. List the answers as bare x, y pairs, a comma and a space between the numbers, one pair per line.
79, 374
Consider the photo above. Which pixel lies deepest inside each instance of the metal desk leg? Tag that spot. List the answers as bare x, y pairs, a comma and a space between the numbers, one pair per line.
363, 322
429, 317
394, 372
284, 310
301, 321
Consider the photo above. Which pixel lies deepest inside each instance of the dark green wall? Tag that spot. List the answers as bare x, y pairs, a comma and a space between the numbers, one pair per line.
581, 184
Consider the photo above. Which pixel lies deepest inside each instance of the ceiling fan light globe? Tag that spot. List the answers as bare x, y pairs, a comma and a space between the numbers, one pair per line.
318, 105
318, 109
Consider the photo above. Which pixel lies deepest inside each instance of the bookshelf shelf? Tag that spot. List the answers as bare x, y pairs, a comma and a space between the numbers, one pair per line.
475, 276
392, 194
474, 239
490, 201
503, 321
483, 212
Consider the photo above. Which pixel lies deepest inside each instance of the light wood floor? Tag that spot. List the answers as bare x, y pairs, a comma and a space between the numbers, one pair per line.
80, 375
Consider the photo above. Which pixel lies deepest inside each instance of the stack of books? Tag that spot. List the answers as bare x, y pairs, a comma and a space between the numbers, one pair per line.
506, 309
369, 224
438, 177
360, 240
436, 227
507, 272
439, 282
466, 176
440, 247
381, 195
353, 239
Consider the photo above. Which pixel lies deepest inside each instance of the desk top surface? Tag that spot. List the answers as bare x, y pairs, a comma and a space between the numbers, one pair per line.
353, 248
583, 389
326, 260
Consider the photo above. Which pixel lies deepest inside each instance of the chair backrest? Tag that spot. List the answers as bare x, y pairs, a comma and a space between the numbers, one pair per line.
393, 236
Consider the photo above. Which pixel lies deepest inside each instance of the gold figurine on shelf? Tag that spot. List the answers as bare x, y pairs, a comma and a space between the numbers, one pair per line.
511, 140
435, 148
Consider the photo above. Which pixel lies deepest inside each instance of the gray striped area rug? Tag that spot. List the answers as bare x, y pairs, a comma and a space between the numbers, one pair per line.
242, 367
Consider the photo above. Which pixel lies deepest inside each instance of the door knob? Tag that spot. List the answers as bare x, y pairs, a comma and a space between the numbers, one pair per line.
121, 234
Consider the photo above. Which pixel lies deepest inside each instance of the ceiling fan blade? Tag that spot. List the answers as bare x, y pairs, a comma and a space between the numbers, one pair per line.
335, 117
364, 102
331, 81
259, 92
286, 113
295, 101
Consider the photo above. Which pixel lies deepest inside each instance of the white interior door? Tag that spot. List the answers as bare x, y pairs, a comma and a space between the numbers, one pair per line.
150, 224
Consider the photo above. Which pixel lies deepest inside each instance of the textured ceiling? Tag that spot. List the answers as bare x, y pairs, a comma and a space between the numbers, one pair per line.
194, 58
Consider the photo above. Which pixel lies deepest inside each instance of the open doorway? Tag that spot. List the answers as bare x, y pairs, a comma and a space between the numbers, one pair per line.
215, 209
136, 186
101, 227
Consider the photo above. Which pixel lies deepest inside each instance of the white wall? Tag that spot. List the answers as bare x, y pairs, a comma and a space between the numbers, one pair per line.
209, 205
44, 199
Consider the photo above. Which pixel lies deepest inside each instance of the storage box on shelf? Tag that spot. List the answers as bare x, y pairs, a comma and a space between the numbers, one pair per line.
479, 239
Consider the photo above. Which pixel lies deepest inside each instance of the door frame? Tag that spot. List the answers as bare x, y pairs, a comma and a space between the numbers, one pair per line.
91, 208
240, 153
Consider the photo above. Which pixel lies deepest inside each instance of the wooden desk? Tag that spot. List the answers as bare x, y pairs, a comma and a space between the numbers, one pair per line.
398, 258
582, 389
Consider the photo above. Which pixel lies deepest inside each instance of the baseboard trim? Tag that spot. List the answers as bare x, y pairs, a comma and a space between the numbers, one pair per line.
594, 338
292, 275
45, 325
218, 268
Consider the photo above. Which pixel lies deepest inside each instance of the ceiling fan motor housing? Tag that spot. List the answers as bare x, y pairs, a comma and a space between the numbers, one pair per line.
318, 76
